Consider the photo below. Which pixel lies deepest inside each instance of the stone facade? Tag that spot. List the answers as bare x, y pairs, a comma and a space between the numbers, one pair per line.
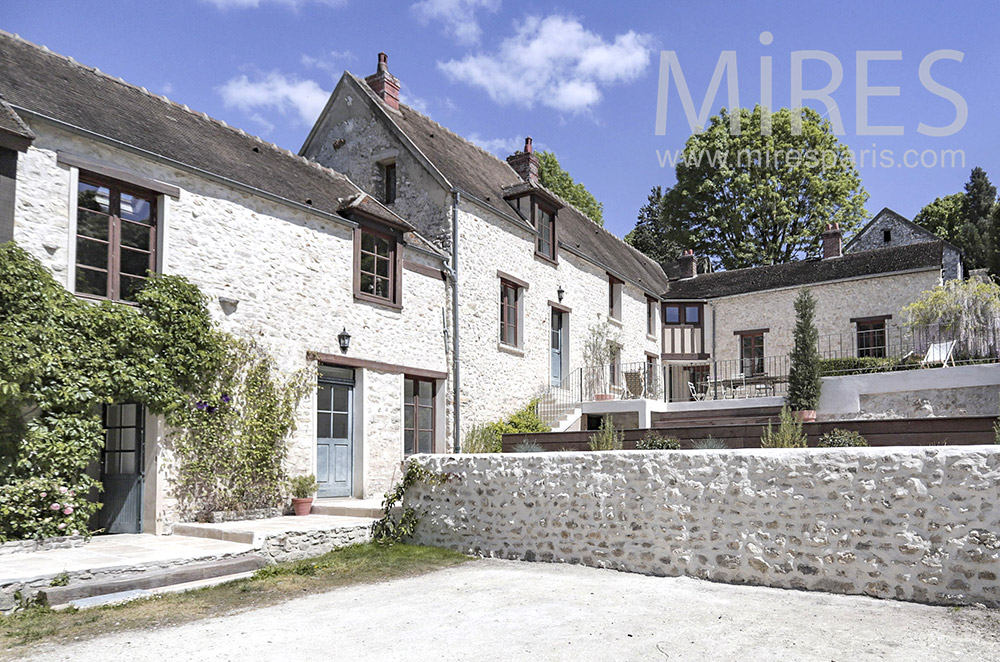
28, 546
902, 232
290, 274
298, 545
903, 523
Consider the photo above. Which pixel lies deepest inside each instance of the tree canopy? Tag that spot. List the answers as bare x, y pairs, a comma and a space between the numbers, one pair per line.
751, 199
553, 177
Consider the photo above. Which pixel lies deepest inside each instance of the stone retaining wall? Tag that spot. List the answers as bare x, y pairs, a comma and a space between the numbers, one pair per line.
27, 546
907, 523
297, 545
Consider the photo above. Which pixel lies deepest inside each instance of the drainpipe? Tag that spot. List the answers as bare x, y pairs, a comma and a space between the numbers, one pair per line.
456, 365
715, 374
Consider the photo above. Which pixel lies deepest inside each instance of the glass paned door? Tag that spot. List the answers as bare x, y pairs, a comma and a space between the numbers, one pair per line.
557, 347
121, 469
334, 432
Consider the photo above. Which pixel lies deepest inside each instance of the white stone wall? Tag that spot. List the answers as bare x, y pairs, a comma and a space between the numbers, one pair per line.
836, 304
291, 272
915, 524
496, 380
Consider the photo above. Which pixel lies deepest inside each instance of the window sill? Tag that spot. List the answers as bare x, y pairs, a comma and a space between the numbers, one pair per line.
651, 338
378, 301
549, 260
510, 349
93, 298
617, 322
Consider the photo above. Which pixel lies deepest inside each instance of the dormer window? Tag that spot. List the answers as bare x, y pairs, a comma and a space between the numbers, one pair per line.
545, 225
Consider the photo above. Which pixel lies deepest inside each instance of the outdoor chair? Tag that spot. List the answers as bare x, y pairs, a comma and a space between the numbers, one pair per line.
939, 352
635, 385
695, 393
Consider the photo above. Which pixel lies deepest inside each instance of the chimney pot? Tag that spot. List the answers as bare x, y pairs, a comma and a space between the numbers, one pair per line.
527, 145
384, 84
832, 240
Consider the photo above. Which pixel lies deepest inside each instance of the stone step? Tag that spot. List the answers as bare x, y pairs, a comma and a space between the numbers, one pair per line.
347, 510
157, 579
216, 533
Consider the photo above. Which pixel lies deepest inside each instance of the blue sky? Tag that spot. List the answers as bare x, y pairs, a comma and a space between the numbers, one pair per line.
580, 78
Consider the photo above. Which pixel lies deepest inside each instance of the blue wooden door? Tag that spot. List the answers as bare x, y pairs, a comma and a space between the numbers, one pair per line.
557, 348
334, 433
122, 469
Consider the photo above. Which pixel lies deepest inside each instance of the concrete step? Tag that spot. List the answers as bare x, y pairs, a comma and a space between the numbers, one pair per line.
134, 586
347, 510
216, 533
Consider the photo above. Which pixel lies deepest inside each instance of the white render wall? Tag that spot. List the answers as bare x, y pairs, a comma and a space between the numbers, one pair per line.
496, 381
836, 304
916, 524
291, 271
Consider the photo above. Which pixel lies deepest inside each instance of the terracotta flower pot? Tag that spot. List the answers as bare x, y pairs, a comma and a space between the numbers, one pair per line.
806, 415
603, 396
302, 506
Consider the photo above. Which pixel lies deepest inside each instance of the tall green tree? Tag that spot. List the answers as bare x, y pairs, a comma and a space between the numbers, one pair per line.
553, 177
750, 199
649, 235
970, 220
943, 217
804, 381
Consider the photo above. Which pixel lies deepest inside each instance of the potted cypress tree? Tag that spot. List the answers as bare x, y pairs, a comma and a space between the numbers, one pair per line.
804, 382
303, 489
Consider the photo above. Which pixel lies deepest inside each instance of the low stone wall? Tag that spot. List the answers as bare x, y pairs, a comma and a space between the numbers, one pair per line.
917, 524
27, 546
297, 545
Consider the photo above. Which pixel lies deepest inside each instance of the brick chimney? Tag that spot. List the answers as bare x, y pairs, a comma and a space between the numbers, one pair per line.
832, 239
384, 84
689, 264
525, 163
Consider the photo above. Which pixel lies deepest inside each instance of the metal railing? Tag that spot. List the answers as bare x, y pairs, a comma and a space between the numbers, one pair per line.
735, 379
620, 381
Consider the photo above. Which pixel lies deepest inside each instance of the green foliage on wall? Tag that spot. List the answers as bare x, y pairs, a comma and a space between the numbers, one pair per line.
62, 358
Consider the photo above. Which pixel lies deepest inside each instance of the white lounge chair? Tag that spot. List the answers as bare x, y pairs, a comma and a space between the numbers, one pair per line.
940, 352
695, 393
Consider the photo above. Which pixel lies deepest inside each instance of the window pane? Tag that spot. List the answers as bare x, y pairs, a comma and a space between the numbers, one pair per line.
128, 414
382, 268
367, 263
367, 242
673, 314
127, 463
134, 262
691, 314
425, 441
508, 335
323, 422
408, 417
91, 253
340, 426
127, 439
135, 235
134, 208
129, 286
323, 397
91, 282
368, 283
426, 391
340, 398
112, 416
112, 439
90, 224
381, 247
408, 388
408, 441
382, 287
96, 198
426, 418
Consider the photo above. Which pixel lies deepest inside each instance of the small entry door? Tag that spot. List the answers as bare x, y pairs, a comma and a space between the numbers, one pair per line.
334, 432
121, 469
557, 347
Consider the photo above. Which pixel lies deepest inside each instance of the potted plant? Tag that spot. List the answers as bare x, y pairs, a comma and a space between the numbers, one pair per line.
599, 352
804, 381
303, 489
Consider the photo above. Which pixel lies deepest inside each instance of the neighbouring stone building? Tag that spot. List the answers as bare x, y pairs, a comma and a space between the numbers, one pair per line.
887, 229
466, 288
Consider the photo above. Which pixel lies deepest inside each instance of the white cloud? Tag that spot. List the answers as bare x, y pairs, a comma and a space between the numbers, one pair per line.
275, 92
329, 62
254, 4
502, 147
554, 61
416, 103
458, 16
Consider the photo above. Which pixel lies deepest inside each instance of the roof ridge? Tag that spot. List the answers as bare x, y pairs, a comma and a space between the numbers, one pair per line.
181, 106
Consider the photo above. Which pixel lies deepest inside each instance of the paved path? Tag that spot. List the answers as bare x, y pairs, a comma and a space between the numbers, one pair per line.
505, 610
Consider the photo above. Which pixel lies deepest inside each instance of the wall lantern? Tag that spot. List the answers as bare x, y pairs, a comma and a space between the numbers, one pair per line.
345, 340
560, 293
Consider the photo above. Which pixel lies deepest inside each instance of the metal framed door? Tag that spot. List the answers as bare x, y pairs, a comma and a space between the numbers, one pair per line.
557, 348
335, 432
122, 469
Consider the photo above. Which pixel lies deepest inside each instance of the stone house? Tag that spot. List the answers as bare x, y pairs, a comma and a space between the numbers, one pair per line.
888, 229
465, 286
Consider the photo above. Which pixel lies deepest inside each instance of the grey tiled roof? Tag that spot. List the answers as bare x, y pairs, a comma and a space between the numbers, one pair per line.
474, 170
35, 79
808, 272
11, 123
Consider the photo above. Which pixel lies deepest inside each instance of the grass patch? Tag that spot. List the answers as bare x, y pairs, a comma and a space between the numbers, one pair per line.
357, 564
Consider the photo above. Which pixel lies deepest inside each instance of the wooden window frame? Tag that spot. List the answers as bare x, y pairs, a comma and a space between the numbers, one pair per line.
553, 253
506, 285
869, 328
415, 403
389, 182
113, 273
652, 308
757, 366
616, 294
395, 300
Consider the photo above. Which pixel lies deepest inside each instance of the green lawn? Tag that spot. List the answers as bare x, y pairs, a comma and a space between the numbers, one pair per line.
357, 564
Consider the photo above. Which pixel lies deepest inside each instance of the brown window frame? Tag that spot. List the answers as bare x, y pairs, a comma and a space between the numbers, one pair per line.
615, 286
506, 306
395, 297
682, 314
414, 402
552, 253
756, 358
389, 182
651, 307
868, 330
113, 272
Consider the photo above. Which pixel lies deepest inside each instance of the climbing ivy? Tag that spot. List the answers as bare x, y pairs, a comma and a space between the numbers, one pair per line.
62, 358
399, 521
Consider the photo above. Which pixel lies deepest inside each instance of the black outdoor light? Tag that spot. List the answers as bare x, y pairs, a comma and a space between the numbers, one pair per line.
560, 293
345, 340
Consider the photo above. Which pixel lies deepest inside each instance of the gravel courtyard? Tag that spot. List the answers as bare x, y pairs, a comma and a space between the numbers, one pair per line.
507, 610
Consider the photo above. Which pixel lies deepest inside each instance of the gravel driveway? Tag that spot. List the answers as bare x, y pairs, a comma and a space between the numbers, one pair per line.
508, 610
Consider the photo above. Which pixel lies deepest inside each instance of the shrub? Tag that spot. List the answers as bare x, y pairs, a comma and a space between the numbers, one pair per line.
607, 438
488, 438
303, 487
709, 444
653, 441
841, 439
804, 374
788, 435
482, 439
857, 365
528, 446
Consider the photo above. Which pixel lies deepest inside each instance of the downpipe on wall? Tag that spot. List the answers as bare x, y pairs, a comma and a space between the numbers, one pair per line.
456, 365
